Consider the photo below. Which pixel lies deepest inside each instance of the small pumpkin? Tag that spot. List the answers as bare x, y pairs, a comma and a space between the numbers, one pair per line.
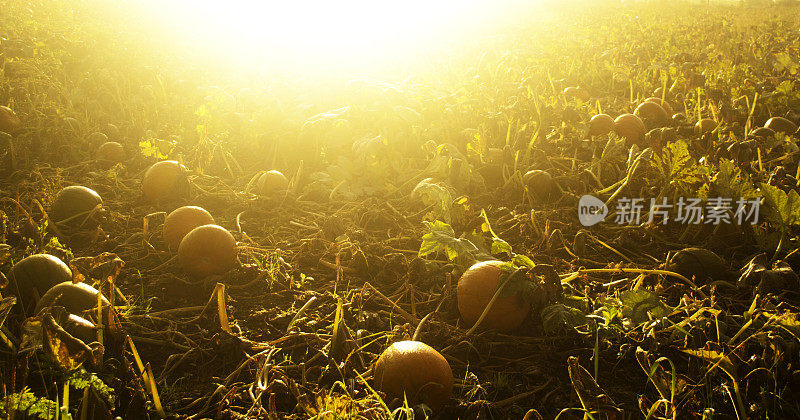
416, 371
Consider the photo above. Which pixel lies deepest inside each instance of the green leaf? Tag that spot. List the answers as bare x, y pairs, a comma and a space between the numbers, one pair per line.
639, 305
559, 317
154, 148
433, 194
28, 403
729, 182
781, 208
677, 167
523, 260
81, 379
442, 238
500, 246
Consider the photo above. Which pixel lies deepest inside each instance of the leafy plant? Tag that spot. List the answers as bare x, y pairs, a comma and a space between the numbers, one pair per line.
29, 404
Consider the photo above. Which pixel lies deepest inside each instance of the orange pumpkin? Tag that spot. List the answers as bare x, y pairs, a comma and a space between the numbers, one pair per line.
664, 104
630, 127
475, 289
416, 371
163, 179
34, 275
207, 250
272, 184
600, 125
111, 152
181, 221
705, 125
652, 114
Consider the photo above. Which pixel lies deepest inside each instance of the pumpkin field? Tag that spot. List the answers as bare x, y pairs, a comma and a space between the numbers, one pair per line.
573, 210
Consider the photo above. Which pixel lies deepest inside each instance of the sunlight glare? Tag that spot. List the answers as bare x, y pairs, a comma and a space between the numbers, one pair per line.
334, 33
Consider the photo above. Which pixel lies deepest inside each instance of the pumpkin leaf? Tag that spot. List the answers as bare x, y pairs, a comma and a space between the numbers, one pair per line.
441, 237
781, 208
559, 317
641, 304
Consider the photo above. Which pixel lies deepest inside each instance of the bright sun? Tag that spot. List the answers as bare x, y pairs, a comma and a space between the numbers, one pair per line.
340, 33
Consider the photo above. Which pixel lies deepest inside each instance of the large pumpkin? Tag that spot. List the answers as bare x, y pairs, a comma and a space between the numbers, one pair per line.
163, 179
74, 297
34, 275
207, 250
77, 208
474, 291
181, 221
416, 371
630, 127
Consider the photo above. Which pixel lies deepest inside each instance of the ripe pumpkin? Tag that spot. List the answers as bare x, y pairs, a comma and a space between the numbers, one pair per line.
652, 114
163, 179
664, 104
705, 125
36, 274
600, 125
111, 152
207, 250
474, 291
77, 208
630, 127
181, 221
541, 185
414, 370
74, 297
272, 183
781, 125
9, 121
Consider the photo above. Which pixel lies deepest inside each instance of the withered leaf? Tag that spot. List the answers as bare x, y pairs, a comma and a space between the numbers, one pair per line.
69, 352
591, 395
103, 267
5, 308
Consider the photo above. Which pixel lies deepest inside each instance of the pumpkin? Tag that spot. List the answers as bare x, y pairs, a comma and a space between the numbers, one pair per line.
541, 185
475, 289
74, 297
652, 114
181, 221
163, 179
9, 121
34, 275
781, 125
207, 250
77, 208
630, 127
272, 184
705, 125
416, 371
600, 125
111, 152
